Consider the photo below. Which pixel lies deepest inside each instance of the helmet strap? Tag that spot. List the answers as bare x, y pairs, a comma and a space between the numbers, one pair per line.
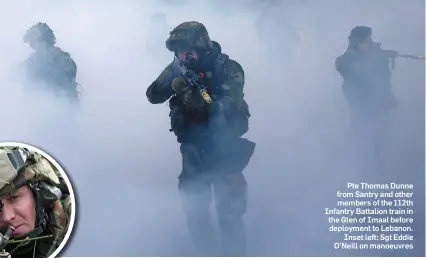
41, 215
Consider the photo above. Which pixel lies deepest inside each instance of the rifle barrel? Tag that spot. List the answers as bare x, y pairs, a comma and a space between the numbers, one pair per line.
412, 56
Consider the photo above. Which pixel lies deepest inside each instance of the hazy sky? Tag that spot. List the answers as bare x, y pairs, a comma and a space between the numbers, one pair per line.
123, 160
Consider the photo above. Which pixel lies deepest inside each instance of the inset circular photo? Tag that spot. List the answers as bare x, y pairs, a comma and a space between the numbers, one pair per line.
37, 203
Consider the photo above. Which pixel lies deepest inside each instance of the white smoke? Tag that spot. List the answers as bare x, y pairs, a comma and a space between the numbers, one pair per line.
123, 160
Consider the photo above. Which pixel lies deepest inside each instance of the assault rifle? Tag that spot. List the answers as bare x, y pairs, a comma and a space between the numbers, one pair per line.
392, 55
192, 78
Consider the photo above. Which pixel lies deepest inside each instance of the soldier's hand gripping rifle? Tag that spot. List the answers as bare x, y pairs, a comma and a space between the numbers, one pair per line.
192, 78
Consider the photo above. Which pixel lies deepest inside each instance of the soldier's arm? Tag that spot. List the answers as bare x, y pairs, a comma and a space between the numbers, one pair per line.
160, 90
232, 97
232, 86
349, 66
341, 65
66, 68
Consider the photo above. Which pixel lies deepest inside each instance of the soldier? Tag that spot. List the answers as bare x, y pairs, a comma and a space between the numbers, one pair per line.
365, 68
213, 152
34, 203
50, 66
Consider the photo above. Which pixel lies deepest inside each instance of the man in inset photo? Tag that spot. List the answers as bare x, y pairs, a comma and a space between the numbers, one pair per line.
35, 204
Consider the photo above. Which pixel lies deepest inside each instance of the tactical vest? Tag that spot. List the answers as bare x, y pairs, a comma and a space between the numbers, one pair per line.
181, 117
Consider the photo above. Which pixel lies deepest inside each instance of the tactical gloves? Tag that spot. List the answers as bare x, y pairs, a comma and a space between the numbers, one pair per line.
179, 85
191, 97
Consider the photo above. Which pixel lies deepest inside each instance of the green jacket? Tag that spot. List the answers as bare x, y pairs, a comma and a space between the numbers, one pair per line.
54, 69
224, 79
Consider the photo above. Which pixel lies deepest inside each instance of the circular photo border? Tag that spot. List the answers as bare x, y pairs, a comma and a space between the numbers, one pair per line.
67, 181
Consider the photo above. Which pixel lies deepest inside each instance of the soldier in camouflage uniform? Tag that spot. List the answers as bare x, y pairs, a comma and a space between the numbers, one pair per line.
34, 200
366, 71
50, 66
213, 152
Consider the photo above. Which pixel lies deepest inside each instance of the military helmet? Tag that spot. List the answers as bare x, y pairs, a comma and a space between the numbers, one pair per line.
360, 32
189, 34
20, 167
40, 31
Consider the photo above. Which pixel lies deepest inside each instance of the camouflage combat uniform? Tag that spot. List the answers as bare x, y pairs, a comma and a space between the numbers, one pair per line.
52, 68
367, 85
52, 214
213, 152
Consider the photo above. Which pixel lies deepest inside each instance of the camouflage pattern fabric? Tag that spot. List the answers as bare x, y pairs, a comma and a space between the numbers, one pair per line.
367, 79
368, 90
232, 87
209, 145
40, 31
8, 171
55, 70
39, 171
58, 213
58, 224
192, 34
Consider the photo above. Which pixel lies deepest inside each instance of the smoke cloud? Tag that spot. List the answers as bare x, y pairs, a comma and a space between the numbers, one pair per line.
124, 162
